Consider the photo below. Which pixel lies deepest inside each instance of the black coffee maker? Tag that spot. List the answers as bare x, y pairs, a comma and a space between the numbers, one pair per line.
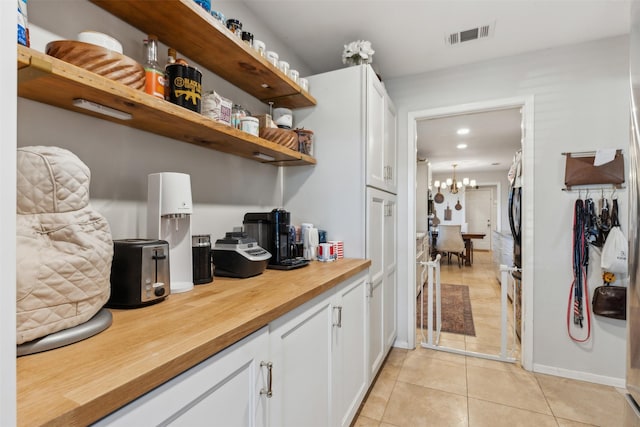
272, 231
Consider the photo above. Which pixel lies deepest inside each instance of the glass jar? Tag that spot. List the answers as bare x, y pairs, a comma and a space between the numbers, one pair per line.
237, 114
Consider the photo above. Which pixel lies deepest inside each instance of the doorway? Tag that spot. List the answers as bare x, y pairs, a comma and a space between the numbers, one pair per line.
526, 105
481, 216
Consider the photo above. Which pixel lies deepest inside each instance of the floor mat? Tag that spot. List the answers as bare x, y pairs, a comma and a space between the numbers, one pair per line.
457, 316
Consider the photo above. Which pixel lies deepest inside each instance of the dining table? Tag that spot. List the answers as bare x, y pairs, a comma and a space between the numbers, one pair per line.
468, 238
468, 245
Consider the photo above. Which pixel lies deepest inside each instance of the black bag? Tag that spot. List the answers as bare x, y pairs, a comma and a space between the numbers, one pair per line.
610, 301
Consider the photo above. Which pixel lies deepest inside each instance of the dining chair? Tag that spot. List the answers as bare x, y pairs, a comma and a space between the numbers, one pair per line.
450, 242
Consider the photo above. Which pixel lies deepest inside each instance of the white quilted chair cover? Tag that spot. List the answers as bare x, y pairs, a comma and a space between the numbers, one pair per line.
64, 248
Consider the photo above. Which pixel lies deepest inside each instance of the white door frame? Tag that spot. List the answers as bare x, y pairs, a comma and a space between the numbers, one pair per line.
526, 103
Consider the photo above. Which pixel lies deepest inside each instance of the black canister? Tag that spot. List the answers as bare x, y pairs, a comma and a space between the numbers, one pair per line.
185, 86
235, 26
202, 259
247, 37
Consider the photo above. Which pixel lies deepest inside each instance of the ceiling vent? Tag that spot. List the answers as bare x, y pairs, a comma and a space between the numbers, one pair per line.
477, 33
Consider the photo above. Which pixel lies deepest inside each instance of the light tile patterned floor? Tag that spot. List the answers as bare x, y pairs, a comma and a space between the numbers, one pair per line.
425, 387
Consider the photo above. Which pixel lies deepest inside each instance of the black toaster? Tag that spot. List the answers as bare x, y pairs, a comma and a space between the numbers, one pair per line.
139, 273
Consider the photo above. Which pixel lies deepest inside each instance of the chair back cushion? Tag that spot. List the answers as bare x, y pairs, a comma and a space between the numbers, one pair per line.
450, 239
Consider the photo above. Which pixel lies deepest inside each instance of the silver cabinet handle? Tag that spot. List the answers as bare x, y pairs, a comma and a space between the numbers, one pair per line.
339, 323
269, 390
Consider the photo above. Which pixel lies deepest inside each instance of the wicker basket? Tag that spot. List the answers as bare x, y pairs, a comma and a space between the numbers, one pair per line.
284, 137
99, 60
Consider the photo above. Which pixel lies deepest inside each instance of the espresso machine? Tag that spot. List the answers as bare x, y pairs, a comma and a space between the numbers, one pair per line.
272, 231
169, 210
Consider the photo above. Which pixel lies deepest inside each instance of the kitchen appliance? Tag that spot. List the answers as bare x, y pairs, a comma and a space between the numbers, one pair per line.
169, 212
515, 223
310, 241
201, 256
238, 255
139, 273
272, 232
632, 412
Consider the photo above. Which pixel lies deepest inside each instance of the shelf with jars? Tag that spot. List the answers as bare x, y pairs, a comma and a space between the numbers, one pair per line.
55, 82
196, 34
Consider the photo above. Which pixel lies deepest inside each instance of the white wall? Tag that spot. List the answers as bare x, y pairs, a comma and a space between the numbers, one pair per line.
581, 103
495, 178
8, 218
224, 186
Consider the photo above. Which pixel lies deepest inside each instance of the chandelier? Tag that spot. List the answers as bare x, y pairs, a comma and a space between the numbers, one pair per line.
453, 184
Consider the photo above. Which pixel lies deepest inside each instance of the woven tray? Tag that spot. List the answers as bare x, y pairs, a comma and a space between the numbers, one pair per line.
284, 137
99, 60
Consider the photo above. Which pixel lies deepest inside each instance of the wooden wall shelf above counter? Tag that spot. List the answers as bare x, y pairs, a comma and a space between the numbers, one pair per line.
195, 34
49, 80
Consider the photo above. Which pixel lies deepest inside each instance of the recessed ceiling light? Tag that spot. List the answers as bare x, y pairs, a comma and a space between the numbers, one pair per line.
462, 131
461, 146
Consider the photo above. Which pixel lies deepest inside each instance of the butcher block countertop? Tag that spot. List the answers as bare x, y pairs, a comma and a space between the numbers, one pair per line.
80, 383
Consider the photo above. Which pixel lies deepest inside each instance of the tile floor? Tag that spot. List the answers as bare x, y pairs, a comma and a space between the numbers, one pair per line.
424, 387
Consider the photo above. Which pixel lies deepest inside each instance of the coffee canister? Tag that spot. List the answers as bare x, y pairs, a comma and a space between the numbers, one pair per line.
184, 85
250, 125
202, 259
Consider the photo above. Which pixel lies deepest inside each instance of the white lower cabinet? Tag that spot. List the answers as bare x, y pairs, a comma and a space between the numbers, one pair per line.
306, 368
319, 352
350, 379
381, 250
224, 390
300, 345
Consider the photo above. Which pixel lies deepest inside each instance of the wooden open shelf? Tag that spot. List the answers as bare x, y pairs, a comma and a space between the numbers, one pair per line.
194, 33
49, 80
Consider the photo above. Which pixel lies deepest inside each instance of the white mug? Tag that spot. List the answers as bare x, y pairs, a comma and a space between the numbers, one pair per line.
325, 252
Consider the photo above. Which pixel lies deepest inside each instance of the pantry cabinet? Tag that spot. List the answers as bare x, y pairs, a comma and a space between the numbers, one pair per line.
307, 367
228, 389
351, 191
381, 136
381, 214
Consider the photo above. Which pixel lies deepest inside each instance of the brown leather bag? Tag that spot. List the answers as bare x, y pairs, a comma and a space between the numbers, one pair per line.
610, 301
581, 171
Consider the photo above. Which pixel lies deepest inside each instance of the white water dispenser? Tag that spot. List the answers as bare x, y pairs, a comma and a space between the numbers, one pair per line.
169, 210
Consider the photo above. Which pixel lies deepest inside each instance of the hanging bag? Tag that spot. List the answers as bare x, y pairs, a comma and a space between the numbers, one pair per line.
608, 300
615, 248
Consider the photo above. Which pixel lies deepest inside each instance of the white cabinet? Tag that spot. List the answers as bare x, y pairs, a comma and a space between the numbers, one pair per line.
350, 380
390, 145
389, 299
376, 209
306, 368
381, 135
300, 345
381, 249
223, 390
319, 360
350, 192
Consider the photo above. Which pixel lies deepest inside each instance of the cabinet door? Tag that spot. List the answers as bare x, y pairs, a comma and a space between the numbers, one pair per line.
222, 390
375, 252
350, 378
375, 123
390, 273
300, 344
391, 182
